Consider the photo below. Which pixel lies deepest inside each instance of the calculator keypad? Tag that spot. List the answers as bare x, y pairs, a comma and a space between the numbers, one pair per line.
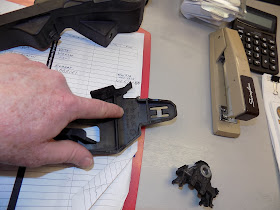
260, 49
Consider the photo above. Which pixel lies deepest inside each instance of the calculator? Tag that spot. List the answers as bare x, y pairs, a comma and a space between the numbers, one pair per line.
257, 31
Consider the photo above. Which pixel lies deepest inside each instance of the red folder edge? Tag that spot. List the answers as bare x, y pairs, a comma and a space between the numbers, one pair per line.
23, 2
130, 201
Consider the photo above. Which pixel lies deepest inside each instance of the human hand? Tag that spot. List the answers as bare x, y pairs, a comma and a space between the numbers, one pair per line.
35, 105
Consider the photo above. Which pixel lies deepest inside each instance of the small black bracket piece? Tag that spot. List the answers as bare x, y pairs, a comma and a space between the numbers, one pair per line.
42, 23
198, 177
117, 134
74, 134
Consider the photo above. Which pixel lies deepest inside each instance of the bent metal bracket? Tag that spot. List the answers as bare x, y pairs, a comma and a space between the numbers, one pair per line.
116, 134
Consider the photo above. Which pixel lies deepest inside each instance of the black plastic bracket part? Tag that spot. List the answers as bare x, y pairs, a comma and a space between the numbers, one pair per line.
198, 177
41, 24
117, 134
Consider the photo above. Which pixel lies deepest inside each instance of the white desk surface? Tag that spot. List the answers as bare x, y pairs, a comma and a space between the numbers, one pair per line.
244, 169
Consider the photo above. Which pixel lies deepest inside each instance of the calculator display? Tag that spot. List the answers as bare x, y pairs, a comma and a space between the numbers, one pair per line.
262, 21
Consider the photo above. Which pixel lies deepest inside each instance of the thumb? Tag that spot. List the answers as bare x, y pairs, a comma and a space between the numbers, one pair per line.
67, 151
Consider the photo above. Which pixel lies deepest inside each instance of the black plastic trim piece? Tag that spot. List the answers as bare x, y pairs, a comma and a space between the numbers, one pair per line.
117, 134
41, 24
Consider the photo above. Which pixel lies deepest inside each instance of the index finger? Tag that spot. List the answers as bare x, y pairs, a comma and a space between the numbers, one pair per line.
96, 109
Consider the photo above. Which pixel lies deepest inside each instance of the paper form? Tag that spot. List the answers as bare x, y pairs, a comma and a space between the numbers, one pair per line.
88, 195
271, 96
112, 199
88, 66
81, 61
52, 187
274, 108
8, 7
31, 53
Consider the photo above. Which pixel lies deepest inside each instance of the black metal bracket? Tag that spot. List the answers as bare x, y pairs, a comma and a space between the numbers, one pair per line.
41, 24
117, 134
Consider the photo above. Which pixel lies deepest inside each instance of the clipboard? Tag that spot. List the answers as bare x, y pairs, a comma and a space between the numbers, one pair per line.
131, 198
130, 201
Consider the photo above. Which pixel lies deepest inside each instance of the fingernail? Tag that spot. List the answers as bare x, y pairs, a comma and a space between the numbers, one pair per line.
86, 163
122, 111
